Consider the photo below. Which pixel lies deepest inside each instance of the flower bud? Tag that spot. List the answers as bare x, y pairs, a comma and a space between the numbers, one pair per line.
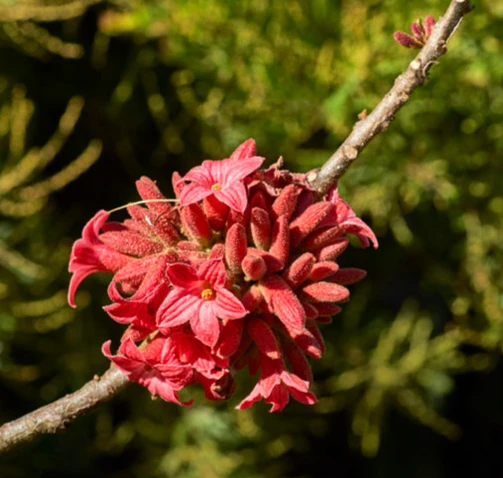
235, 247
195, 224
254, 267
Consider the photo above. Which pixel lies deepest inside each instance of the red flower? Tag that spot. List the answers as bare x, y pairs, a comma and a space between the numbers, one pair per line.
222, 179
276, 385
90, 255
199, 297
138, 312
241, 273
349, 223
156, 368
210, 371
130, 250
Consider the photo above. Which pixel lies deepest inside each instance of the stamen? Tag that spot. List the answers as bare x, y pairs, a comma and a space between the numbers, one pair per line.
207, 294
216, 187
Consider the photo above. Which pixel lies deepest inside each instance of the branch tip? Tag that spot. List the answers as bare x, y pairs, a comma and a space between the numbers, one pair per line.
370, 125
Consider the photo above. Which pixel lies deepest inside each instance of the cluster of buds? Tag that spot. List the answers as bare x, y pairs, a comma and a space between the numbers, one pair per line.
421, 31
239, 271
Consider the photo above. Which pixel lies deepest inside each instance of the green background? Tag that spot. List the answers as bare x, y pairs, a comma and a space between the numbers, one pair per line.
411, 384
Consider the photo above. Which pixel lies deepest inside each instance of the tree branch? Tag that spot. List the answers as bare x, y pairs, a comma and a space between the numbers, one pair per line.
58, 415
376, 122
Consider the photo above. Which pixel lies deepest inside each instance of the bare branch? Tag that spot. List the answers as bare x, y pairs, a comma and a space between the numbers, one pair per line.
376, 122
58, 415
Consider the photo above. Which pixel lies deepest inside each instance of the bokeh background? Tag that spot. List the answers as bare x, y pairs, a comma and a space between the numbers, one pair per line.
94, 94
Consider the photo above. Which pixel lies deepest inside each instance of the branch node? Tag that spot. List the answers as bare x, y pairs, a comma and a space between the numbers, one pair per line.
403, 98
363, 114
312, 176
415, 64
350, 152
441, 47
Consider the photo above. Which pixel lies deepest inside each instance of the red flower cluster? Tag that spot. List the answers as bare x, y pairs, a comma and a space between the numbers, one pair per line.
238, 273
421, 31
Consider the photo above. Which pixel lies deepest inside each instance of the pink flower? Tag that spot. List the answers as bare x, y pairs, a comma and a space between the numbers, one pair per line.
241, 273
349, 223
276, 385
199, 297
131, 249
138, 312
90, 255
222, 179
156, 368
210, 371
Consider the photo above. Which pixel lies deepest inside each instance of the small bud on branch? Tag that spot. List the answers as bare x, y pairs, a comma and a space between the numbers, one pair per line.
379, 119
421, 31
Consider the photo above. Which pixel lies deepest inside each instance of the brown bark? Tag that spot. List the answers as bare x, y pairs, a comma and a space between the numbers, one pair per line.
59, 415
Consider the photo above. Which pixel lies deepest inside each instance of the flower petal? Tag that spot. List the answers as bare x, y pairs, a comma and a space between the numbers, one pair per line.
202, 174
183, 275
205, 325
244, 150
235, 171
228, 306
178, 308
234, 196
90, 255
212, 271
193, 193
231, 332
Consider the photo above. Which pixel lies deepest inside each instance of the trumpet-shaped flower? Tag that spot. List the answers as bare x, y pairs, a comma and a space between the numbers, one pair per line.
276, 385
156, 367
222, 179
199, 297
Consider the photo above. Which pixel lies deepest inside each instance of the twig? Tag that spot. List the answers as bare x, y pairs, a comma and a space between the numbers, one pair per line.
60, 414
377, 121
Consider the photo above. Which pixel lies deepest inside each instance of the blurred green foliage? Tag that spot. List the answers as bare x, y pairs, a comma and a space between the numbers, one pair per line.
156, 86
